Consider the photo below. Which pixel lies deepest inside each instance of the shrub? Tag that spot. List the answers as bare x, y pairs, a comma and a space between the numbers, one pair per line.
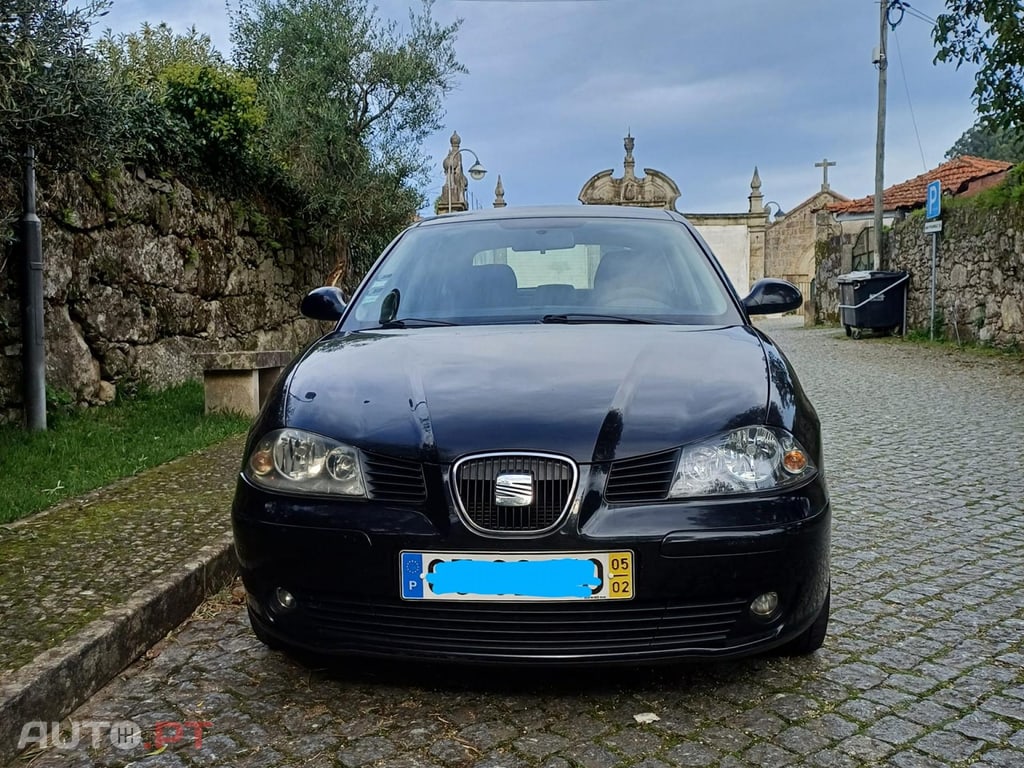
219, 105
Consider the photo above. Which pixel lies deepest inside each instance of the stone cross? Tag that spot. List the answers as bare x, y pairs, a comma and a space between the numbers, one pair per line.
824, 165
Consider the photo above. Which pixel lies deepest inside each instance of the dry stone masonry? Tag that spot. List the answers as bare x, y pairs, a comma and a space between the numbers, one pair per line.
980, 273
142, 273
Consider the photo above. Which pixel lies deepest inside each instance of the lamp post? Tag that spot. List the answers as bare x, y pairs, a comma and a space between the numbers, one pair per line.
476, 171
33, 346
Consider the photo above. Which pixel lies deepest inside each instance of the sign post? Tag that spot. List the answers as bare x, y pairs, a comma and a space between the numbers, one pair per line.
932, 212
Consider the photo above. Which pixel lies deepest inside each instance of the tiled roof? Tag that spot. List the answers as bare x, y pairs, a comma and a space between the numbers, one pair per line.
955, 175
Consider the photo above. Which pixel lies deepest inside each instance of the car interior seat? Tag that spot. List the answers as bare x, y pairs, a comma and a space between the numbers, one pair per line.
633, 278
484, 286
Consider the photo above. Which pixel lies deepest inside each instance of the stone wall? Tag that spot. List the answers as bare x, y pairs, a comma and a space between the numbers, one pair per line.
829, 260
141, 273
790, 239
979, 277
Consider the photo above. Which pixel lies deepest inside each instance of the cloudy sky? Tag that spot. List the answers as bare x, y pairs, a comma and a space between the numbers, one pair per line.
709, 90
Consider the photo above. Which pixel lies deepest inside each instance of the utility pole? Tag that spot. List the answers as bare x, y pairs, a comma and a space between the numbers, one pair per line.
883, 63
33, 348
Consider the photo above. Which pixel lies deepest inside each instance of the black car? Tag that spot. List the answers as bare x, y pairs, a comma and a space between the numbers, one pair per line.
539, 435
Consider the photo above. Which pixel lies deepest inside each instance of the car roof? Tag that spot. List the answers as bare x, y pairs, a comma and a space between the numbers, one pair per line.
554, 211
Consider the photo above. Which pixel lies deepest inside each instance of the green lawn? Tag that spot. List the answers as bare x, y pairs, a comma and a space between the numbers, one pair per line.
86, 449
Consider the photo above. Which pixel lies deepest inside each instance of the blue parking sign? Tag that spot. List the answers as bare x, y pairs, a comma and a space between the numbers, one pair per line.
933, 206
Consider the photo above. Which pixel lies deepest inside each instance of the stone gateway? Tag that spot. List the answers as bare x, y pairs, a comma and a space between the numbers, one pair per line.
736, 238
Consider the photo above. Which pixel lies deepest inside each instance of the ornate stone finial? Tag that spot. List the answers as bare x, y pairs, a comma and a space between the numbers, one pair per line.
499, 194
629, 164
652, 190
755, 197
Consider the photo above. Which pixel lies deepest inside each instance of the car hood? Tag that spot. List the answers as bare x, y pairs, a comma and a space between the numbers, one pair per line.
592, 392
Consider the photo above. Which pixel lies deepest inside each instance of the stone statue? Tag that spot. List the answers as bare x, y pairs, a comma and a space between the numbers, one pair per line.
453, 193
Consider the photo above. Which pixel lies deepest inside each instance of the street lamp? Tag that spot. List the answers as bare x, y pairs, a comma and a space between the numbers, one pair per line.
33, 328
779, 213
476, 172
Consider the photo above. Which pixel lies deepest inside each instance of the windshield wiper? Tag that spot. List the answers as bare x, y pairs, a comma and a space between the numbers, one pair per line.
588, 317
414, 322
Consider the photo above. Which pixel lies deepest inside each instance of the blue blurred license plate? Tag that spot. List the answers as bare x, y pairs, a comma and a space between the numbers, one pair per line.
521, 577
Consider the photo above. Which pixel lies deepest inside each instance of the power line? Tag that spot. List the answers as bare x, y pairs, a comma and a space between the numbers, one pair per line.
917, 14
906, 8
910, 103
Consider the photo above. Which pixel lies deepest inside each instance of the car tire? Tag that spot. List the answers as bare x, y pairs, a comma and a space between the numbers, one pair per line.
855, 332
847, 329
812, 638
261, 634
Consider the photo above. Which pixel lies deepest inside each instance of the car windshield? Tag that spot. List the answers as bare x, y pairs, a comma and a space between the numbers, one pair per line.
568, 270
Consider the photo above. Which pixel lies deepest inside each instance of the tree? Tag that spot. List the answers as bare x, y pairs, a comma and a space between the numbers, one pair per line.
52, 92
53, 95
991, 141
990, 34
349, 99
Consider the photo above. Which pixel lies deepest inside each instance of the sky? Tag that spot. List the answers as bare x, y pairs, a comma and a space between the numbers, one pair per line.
709, 91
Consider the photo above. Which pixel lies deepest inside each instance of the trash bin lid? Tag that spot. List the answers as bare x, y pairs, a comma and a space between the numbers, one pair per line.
855, 277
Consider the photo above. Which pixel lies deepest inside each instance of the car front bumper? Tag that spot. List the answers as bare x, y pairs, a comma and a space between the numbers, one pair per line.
696, 572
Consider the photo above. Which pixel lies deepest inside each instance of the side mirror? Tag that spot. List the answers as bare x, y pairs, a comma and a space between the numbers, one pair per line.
325, 303
771, 295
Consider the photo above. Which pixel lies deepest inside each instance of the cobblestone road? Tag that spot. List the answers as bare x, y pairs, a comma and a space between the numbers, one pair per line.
922, 666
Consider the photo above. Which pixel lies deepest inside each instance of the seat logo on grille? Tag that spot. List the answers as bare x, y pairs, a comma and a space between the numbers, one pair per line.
513, 489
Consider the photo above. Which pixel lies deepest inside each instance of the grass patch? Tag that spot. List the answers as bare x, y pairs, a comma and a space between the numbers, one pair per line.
86, 449
920, 337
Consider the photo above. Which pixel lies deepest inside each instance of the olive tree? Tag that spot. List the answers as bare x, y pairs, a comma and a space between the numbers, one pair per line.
349, 98
53, 96
52, 92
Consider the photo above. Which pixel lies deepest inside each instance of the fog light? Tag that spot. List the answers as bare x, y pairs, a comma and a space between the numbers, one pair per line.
765, 605
284, 600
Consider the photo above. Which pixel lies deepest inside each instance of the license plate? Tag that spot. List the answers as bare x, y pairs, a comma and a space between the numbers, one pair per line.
488, 576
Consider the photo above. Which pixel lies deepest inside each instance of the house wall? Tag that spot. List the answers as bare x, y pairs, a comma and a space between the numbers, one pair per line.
730, 240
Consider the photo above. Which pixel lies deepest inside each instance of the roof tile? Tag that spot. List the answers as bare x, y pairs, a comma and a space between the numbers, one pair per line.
955, 176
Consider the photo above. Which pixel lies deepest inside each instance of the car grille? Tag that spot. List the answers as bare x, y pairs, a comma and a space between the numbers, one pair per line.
523, 630
646, 478
554, 481
391, 479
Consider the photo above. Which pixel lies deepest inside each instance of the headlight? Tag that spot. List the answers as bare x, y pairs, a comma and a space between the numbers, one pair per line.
744, 460
297, 461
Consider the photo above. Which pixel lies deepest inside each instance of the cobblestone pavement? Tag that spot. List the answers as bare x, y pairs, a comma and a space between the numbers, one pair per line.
922, 666
99, 548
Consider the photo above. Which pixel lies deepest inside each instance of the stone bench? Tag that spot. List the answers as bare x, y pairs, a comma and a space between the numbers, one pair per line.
238, 382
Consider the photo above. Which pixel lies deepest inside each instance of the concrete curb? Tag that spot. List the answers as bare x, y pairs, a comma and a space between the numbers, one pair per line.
57, 681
